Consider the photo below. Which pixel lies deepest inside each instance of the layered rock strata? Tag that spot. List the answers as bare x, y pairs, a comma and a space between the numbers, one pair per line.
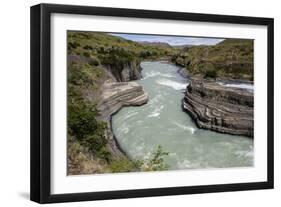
118, 94
219, 108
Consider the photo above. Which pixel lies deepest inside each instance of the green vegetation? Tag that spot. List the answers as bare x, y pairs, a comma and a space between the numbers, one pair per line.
116, 59
124, 165
81, 160
107, 48
154, 163
114, 53
82, 122
232, 58
94, 62
88, 147
211, 74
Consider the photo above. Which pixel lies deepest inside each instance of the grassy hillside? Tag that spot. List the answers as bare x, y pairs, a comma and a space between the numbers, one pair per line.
231, 58
101, 46
90, 55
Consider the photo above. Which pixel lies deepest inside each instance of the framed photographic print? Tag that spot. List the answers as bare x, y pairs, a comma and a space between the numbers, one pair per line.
132, 103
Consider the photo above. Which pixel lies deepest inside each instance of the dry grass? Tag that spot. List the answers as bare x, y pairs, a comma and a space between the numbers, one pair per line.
80, 161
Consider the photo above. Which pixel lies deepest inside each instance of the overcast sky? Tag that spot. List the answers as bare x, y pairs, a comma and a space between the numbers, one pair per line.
172, 40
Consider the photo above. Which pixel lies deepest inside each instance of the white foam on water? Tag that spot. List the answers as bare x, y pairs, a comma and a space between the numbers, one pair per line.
186, 128
249, 87
225, 144
167, 75
175, 85
139, 148
155, 99
130, 115
124, 130
185, 164
156, 112
156, 73
245, 153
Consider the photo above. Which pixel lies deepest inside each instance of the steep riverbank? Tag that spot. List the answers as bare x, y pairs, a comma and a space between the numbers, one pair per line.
101, 90
219, 108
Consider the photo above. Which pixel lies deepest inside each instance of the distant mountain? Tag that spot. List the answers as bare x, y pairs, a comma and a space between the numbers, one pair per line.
158, 44
183, 46
236, 42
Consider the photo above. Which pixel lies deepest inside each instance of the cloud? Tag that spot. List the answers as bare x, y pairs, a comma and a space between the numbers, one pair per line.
172, 40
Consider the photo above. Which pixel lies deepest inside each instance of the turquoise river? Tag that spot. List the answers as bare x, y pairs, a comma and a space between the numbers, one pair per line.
139, 130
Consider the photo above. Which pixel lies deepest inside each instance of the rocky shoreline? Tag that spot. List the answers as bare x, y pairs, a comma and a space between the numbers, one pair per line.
212, 106
219, 108
115, 96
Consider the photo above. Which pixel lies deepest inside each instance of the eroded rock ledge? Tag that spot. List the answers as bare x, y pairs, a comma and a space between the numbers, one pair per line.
115, 95
219, 108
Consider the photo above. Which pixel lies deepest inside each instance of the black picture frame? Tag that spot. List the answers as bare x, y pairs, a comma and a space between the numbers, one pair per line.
41, 97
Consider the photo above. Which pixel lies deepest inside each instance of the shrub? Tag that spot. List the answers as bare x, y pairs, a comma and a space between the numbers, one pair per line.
104, 154
86, 54
116, 59
78, 76
174, 58
83, 125
211, 74
123, 165
73, 45
101, 50
88, 47
81, 119
95, 140
145, 54
156, 162
94, 62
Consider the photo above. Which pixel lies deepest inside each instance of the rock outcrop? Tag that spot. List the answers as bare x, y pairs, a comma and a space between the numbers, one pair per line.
219, 108
123, 73
183, 72
116, 95
128, 72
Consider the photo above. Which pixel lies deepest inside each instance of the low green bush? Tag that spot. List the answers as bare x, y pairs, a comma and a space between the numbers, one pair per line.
86, 54
156, 162
211, 74
73, 45
94, 62
88, 47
